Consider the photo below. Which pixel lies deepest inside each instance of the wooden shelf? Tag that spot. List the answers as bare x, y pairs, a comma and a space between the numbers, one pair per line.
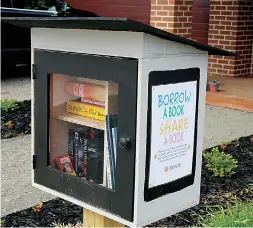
59, 112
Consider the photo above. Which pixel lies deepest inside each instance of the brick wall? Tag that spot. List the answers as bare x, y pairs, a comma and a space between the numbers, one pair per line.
172, 16
200, 20
231, 28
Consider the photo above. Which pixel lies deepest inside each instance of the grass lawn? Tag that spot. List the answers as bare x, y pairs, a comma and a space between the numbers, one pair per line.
241, 215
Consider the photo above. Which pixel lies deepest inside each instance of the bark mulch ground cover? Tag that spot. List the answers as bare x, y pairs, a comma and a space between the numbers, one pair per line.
15, 118
216, 192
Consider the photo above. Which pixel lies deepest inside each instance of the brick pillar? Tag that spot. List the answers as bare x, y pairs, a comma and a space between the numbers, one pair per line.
172, 16
231, 28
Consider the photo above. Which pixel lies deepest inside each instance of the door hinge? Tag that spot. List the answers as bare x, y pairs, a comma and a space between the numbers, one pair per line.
33, 71
34, 161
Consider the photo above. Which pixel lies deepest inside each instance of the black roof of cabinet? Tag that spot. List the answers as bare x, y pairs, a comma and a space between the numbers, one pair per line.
109, 23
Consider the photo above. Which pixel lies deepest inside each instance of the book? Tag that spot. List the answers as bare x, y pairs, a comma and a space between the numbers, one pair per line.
94, 102
86, 110
114, 128
71, 144
86, 90
88, 153
80, 152
95, 155
71, 87
108, 165
111, 128
64, 164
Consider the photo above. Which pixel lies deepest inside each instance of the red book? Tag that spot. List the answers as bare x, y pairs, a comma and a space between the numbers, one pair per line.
64, 164
85, 90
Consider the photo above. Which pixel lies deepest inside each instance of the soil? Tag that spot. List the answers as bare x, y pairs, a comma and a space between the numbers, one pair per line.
215, 192
16, 122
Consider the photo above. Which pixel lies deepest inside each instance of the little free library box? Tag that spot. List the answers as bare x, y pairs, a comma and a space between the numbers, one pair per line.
118, 115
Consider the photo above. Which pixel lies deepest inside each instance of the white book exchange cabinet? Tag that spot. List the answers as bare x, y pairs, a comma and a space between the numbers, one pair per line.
118, 115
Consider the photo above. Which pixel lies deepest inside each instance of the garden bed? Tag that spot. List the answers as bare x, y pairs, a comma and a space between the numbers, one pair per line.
15, 118
216, 193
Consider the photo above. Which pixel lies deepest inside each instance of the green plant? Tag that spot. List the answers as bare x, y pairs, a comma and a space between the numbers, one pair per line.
1, 223
240, 215
58, 225
8, 105
219, 163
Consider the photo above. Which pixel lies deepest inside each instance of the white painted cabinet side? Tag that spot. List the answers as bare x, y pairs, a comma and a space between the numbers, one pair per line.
148, 212
109, 43
155, 47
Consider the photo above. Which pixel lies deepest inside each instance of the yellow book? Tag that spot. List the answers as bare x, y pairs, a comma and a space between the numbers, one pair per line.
86, 110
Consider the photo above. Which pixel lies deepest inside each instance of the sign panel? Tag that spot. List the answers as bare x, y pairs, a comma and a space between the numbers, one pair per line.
172, 132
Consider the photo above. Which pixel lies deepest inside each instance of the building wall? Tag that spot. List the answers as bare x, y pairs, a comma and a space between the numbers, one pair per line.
135, 9
231, 28
228, 26
172, 15
200, 20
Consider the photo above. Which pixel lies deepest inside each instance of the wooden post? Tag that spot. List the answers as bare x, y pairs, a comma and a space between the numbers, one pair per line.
92, 219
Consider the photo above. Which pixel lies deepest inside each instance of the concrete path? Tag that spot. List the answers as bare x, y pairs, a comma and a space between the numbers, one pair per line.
16, 190
223, 124
18, 88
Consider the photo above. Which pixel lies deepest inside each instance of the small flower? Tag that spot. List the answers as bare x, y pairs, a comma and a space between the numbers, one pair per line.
37, 208
9, 124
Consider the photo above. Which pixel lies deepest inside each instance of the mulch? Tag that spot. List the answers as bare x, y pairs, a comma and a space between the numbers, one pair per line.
54, 211
17, 122
215, 191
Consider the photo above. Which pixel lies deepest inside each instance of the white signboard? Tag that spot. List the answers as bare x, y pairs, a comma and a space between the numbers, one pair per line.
172, 132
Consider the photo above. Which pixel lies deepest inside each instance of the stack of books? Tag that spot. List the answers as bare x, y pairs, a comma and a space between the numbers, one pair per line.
86, 149
91, 101
85, 154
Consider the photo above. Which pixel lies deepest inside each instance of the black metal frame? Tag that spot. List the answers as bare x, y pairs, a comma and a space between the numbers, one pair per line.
120, 70
160, 78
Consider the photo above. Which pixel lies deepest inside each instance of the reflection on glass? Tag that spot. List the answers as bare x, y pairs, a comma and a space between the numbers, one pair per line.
83, 128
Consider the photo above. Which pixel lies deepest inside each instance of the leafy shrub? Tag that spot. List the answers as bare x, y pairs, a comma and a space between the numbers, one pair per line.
219, 163
8, 105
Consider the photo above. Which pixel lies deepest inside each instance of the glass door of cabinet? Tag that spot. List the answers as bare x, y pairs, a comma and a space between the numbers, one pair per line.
85, 118
83, 128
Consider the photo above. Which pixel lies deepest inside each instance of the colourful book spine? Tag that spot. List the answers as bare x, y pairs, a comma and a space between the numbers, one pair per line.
114, 125
86, 110
114, 138
111, 150
71, 144
94, 102
80, 152
86, 90
71, 87
95, 163
108, 165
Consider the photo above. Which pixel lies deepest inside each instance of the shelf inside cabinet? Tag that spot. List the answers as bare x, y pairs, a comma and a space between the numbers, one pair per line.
59, 112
